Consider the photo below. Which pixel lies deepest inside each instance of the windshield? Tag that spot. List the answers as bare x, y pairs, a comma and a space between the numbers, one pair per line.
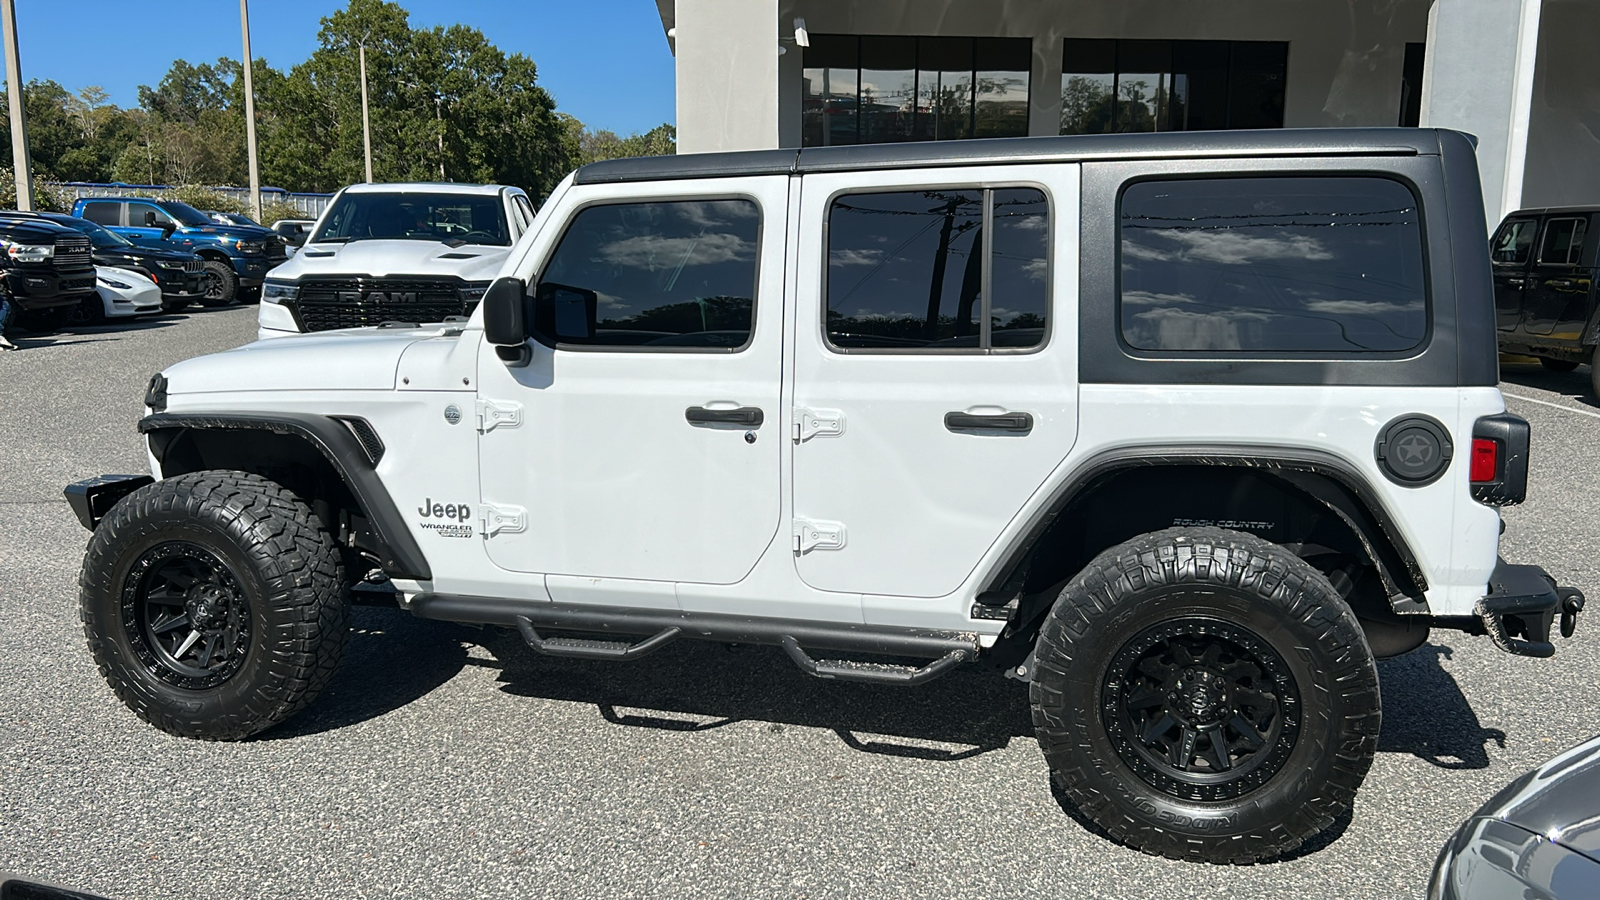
98, 236
464, 219
237, 219
185, 213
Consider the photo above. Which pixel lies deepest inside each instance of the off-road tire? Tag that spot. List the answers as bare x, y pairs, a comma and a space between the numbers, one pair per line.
1559, 366
273, 553
221, 284
1594, 373
1230, 583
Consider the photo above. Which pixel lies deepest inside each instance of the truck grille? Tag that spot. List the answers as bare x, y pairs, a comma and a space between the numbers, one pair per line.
275, 248
327, 303
72, 252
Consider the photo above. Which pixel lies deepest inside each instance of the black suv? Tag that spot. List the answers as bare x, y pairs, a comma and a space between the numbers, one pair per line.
179, 273
46, 269
1547, 303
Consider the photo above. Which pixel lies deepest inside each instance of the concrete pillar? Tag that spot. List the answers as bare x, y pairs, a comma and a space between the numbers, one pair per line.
727, 67
1479, 79
1563, 159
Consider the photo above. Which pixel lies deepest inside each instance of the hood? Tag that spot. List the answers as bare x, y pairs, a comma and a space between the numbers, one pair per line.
357, 359
33, 231
141, 252
379, 258
1560, 800
232, 232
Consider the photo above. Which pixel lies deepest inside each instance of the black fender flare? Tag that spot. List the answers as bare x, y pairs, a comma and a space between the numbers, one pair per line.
400, 555
1305, 470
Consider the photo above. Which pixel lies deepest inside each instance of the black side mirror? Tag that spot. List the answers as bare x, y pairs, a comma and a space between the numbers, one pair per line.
149, 218
167, 228
505, 320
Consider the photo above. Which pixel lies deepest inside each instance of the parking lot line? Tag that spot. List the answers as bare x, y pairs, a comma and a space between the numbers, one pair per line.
1581, 412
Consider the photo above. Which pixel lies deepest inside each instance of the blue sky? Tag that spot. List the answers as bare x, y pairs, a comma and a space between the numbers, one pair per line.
605, 61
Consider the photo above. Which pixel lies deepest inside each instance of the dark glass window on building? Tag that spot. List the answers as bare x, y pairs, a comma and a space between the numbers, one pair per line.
1330, 265
653, 275
1135, 85
881, 89
907, 270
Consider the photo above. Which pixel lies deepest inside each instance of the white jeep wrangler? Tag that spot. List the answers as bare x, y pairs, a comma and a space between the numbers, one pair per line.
1184, 430
395, 253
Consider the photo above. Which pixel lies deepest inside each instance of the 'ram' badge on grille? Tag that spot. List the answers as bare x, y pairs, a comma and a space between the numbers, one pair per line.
378, 297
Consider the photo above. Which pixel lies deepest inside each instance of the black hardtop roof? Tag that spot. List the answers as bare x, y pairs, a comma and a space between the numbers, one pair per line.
1276, 142
1583, 209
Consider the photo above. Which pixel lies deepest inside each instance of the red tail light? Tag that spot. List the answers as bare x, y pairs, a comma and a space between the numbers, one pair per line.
1485, 460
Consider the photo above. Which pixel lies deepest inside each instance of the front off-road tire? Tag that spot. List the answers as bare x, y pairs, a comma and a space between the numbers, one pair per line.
214, 604
1203, 694
221, 284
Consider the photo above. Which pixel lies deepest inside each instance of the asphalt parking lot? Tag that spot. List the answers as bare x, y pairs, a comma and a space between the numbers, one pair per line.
446, 761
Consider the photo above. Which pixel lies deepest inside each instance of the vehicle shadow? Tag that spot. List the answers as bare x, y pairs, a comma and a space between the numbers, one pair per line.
1426, 715
691, 686
369, 683
1574, 384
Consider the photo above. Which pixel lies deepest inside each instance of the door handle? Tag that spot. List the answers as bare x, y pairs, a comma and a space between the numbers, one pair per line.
1021, 423
749, 416
1515, 282
1560, 282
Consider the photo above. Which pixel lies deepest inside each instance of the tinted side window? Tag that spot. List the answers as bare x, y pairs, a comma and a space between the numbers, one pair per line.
527, 210
101, 212
1299, 265
906, 270
663, 274
139, 215
1512, 243
1563, 242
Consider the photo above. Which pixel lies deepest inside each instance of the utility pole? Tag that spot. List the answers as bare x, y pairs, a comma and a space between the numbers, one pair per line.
438, 115
249, 113
366, 123
19, 134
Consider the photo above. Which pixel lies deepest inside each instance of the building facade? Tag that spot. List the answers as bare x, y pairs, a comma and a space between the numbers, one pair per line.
1521, 75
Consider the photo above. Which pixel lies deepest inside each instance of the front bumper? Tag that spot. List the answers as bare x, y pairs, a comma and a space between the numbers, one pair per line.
41, 287
92, 498
1523, 605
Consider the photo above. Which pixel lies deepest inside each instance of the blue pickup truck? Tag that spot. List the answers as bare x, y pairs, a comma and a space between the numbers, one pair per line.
236, 256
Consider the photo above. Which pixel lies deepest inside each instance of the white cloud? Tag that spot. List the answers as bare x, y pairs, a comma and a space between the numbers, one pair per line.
1233, 248
654, 252
1147, 298
853, 257
1036, 269
1361, 307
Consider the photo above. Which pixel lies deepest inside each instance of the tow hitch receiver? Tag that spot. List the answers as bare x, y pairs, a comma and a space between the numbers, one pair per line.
1521, 607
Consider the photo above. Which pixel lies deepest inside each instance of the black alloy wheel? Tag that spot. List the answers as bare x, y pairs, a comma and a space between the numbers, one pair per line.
220, 284
214, 604
1204, 694
186, 615
1201, 709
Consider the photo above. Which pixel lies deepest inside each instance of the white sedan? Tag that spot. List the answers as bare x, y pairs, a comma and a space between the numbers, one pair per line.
124, 292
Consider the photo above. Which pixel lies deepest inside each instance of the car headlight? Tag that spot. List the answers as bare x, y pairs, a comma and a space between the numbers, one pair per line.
279, 291
252, 248
170, 264
113, 283
473, 291
31, 253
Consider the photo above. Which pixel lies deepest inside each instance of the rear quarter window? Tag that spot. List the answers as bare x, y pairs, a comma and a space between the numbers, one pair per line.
1295, 265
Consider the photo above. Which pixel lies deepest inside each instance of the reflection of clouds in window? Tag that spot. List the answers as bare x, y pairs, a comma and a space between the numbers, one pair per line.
1231, 247
855, 257
1180, 329
1036, 269
654, 251
713, 213
1147, 298
1362, 307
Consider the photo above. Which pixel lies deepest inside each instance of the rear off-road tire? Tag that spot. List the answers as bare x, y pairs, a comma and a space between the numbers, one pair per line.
1557, 365
1203, 694
214, 604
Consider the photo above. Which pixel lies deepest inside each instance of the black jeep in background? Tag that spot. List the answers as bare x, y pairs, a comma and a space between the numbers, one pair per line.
1546, 303
46, 269
179, 273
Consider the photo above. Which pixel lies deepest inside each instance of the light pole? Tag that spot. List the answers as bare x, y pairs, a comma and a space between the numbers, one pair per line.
366, 122
19, 134
249, 113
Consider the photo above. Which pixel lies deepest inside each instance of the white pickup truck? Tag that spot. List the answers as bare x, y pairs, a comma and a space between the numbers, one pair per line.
395, 253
